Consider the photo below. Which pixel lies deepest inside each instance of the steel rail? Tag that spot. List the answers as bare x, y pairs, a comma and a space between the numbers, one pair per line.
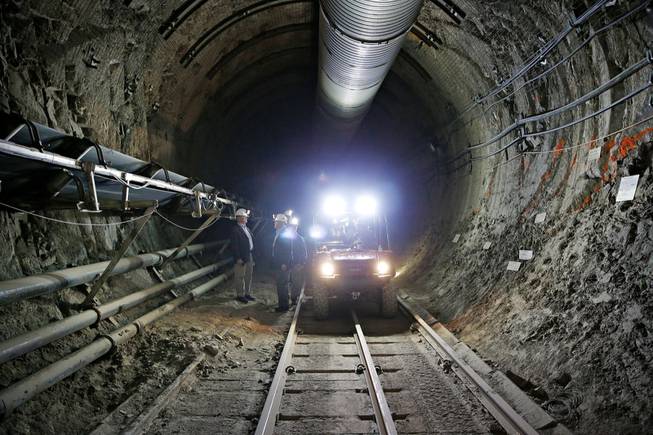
50, 158
509, 419
35, 285
270, 411
24, 343
382, 413
20, 392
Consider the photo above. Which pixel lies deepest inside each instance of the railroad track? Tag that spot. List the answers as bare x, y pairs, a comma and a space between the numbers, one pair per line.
395, 380
356, 373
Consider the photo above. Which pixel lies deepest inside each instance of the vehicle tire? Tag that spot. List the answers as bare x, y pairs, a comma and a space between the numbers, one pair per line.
389, 305
320, 302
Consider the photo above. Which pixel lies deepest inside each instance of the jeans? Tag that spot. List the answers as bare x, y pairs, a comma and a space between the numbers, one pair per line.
243, 277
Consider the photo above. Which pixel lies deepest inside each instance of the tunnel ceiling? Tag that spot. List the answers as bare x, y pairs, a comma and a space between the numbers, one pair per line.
185, 82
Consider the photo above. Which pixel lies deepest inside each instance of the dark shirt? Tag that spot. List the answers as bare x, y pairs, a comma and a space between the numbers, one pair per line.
289, 248
240, 244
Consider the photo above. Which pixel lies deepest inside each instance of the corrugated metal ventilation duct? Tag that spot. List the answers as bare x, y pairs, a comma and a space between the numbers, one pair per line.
359, 40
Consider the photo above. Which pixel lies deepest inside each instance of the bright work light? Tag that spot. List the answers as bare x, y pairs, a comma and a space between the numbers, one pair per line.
334, 205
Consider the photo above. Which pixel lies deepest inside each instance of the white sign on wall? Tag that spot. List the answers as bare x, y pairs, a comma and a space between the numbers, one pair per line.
487, 245
456, 237
514, 265
593, 154
525, 254
627, 188
540, 217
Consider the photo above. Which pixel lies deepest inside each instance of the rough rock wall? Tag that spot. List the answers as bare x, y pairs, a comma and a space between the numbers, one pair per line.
576, 319
78, 67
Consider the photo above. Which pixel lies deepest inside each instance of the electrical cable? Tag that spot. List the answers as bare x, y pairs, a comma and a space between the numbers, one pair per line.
538, 56
80, 224
560, 150
181, 227
565, 59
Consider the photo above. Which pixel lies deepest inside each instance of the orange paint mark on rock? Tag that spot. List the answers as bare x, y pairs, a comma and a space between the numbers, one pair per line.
626, 145
557, 151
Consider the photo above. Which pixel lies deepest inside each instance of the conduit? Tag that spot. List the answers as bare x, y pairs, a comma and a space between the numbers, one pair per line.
359, 41
646, 61
537, 57
20, 392
36, 285
32, 340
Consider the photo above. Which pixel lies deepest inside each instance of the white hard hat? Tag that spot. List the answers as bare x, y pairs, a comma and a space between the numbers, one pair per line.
280, 217
242, 212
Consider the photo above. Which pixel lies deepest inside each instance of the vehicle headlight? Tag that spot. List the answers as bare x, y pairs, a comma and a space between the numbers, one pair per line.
327, 269
383, 267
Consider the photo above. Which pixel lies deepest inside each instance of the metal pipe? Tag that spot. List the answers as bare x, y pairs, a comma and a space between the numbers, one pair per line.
35, 285
20, 392
359, 41
32, 340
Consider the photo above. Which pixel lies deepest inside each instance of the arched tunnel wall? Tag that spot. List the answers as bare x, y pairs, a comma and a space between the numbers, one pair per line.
190, 92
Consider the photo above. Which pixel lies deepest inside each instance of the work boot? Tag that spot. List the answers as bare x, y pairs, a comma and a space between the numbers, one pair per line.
250, 298
281, 309
242, 299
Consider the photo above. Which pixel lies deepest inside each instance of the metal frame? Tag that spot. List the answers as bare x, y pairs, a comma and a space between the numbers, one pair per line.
99, 282
54, 159
190, 238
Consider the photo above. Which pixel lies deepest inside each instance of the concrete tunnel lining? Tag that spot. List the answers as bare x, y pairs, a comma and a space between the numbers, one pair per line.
581, 302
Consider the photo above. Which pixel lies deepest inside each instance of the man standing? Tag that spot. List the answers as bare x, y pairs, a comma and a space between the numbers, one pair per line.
288, 250
242, 246
280, 258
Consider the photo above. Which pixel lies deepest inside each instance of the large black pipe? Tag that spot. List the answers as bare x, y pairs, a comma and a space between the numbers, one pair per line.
29, 341
36, 285
23, 390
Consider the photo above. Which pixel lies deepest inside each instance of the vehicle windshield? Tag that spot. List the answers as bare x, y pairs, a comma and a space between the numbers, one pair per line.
350, 232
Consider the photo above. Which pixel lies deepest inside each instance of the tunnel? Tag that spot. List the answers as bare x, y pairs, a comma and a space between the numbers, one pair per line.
509, 149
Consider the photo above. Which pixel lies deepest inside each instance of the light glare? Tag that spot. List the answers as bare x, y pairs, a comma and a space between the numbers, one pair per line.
383, 267
334, 205
316, 232
327, 269
366, 205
